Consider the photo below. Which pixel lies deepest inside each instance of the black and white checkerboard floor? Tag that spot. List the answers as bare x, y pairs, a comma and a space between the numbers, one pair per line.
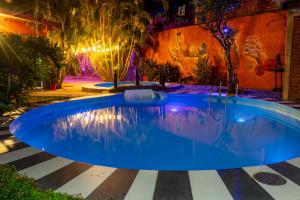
98, 182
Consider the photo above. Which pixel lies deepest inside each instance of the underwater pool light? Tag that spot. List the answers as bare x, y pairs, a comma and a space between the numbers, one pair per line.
241, 120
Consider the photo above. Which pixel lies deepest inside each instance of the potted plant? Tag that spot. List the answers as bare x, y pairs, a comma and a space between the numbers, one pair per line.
53, 78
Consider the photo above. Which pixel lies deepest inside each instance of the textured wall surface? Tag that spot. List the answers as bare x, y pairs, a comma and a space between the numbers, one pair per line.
9, 25
259, 39
294, 90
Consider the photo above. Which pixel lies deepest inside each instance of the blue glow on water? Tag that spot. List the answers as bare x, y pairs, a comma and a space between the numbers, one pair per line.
241, 120
178, 132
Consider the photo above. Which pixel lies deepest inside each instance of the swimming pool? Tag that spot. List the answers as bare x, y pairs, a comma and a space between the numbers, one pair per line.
172, 132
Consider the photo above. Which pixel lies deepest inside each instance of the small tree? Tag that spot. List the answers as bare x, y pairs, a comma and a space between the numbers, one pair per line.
213, 15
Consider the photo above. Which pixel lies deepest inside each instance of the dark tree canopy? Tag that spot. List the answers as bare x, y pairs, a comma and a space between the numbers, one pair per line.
213, 15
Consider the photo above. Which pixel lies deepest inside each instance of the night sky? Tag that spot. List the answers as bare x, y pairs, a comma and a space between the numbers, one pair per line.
152, 6
155, 6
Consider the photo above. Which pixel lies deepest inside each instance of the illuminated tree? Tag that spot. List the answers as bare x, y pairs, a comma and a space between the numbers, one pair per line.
213, 17
112, 30
65, 14
106, 31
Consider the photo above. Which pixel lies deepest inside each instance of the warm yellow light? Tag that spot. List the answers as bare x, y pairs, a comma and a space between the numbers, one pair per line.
119, 117
99, 49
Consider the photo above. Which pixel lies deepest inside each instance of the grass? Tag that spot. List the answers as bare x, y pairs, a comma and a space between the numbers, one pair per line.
14, 186
46, 99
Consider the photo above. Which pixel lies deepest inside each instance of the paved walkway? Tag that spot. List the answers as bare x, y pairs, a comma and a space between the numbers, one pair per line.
98, 182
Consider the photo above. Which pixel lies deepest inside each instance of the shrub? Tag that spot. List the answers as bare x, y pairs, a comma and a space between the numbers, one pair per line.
14, 186
153, 70
203, 70
3, 108
150, 68
171, 72
50, 58
24, 63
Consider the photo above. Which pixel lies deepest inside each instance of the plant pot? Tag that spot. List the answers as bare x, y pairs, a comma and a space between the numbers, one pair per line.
53, 86
145, 78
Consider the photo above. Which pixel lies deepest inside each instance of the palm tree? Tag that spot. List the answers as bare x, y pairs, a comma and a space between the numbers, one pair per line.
63, 13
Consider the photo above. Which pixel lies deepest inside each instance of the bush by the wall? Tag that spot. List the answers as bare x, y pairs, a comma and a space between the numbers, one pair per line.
150, 69
153, 70
171, 72
24, 63
203, 70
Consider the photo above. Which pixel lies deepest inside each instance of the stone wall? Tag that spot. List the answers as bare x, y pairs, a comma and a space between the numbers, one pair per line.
253, 7
294, 81
259, 39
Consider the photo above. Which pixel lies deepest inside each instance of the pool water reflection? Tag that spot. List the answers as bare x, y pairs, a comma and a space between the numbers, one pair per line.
185, 132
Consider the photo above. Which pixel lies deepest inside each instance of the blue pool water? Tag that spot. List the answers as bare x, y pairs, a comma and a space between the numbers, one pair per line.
126, 83
174, 132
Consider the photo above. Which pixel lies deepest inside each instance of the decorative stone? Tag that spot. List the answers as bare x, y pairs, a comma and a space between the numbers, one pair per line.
269, 178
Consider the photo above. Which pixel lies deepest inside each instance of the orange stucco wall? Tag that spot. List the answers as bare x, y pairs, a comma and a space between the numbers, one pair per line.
259, 40
8, 25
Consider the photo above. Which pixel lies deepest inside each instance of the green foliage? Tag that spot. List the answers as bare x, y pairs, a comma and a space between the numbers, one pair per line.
3, 108
150, 69
14, 186
67, 15
170, 71
216, 10
213, 17
117, 28
203, 71
24, 63
50, 58
154, 71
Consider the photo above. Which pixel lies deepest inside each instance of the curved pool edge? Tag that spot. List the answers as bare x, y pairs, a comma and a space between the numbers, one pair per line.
282, 109
269, 105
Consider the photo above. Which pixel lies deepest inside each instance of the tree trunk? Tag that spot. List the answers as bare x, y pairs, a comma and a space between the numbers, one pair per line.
137, 76
36, 28
231, 82
63, 36
115, 79
61, 77
62, 71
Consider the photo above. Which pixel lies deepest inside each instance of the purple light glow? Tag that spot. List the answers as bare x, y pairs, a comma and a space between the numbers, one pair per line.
175, 109
226, 30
